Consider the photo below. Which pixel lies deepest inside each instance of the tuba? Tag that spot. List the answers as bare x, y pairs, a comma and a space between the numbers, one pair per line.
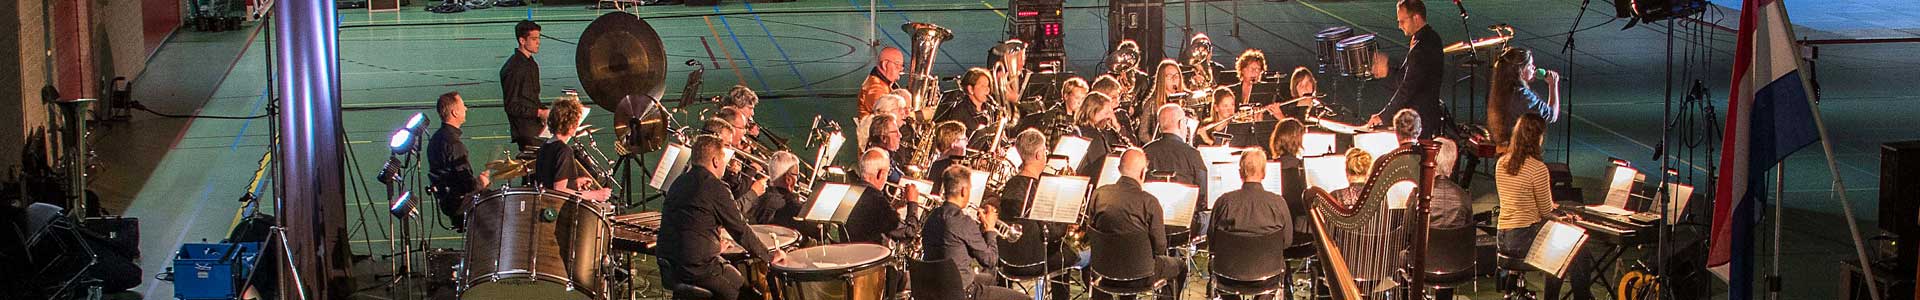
924, 86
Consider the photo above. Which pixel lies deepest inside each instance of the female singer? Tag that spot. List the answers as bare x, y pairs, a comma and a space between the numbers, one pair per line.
1512, 95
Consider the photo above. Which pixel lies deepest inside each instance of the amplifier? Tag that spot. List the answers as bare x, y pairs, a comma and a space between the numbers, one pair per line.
1143, 21
122, 233
1039, 23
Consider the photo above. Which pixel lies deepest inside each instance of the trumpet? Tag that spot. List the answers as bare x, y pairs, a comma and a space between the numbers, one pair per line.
1011, 232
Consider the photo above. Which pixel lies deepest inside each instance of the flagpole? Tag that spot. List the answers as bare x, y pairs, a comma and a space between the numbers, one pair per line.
1779, 199
1833, 168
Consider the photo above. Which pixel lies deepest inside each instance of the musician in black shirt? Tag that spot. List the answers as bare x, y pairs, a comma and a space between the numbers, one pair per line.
1124, 208
1252, 210
951, 234
877, 217
1421, 73
950, 139
1097, 124
697, 207
1172, 153
558, 165
520, 87
978, 87
1040, 250
447, 166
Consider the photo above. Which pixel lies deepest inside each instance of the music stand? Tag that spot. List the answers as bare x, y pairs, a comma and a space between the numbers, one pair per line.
1267, 93
1682, 194
833, 203
1378, 144
1109, 171
1222, 178
1317, 144
1176, 201
1555, 246
1057, 199
673, 162
1074, 147
1272, 182
1327, 172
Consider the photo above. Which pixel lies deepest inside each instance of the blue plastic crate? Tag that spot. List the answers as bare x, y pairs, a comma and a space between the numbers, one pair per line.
212, 271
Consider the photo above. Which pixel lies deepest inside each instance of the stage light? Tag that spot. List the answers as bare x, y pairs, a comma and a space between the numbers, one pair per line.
414, 123
402, 206
401, 141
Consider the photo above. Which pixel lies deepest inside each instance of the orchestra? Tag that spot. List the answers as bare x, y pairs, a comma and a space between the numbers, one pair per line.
946, 165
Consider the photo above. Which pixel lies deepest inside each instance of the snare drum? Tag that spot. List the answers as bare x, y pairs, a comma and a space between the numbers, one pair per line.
1356, 56
533, 244
844, 271
1326, 40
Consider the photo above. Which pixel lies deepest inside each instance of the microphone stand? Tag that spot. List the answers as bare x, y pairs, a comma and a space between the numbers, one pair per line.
1473, 59
1567, 49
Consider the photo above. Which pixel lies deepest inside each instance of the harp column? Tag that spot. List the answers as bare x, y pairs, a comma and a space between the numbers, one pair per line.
306, 76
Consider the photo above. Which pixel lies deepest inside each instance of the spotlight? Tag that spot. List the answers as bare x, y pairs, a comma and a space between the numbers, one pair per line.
413, 124
402, 206
401, 141
390, 172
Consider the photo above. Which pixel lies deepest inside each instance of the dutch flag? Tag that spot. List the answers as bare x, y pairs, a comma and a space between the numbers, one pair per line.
1770, 114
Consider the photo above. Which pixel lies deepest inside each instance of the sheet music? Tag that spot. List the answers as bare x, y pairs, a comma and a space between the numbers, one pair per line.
1272, 182
1176, 201
1317, 144
1222, 178
1682, 193
1620, 186
1075, 148
1326, 172
673, 162
1058, 199
825, 154
1399, 193
1377, 144
978, 179
834, 202
1556, 243
1109, 171
1213, 154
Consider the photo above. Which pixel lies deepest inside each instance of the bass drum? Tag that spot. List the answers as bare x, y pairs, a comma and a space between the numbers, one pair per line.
844, 271
533, 244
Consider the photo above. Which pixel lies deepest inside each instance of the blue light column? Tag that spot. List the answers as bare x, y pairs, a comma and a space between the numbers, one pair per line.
312, 207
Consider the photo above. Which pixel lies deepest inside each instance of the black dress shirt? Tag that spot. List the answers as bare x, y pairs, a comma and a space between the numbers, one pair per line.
938, 173
520, 89
965, 112
449, 171
1122, 207
1421, 75
1252, 211
768, 207
951, 234
1170, 153
696, 205
874, 221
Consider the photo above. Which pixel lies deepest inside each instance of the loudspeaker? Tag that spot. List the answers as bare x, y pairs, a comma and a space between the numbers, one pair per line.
122, 233
1900, 198
1144, 21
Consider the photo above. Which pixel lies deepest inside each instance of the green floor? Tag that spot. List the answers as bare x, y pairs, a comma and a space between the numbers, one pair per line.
806, 58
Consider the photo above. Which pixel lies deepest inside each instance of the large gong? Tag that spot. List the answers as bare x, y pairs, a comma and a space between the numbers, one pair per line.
619, 56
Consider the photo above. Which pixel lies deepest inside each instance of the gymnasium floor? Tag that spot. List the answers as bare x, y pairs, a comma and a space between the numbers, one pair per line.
806, 58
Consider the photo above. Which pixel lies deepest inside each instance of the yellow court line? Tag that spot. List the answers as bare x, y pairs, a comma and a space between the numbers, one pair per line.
1352, 24
252, 186
739, 77
1003, 15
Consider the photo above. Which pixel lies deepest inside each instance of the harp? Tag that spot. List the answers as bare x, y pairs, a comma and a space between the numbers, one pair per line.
1362, 240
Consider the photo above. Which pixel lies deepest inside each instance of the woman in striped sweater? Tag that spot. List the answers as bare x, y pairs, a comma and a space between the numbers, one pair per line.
1526, 200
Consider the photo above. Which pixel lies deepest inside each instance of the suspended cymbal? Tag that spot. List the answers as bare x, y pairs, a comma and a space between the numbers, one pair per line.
620, 55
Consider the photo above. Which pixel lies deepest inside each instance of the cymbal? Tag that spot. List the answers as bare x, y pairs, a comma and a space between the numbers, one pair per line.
620, 55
